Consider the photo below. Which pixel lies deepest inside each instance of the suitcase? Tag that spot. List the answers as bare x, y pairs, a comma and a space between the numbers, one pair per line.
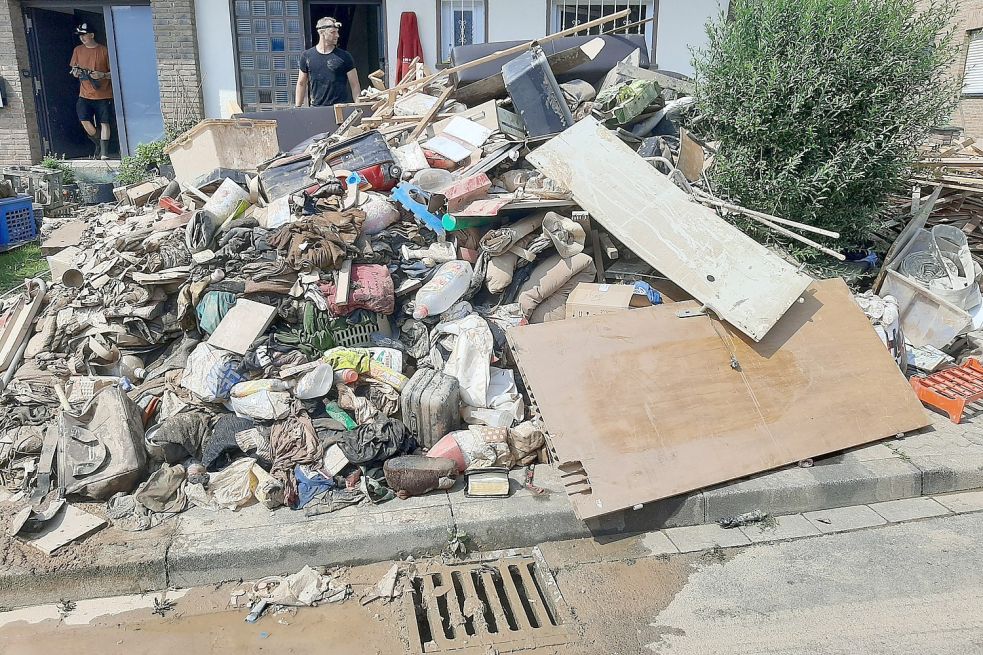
369, 155
285, 176
431, 406
536, 95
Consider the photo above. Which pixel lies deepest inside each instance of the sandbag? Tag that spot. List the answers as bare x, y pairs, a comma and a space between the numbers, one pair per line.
101, 449
544, 295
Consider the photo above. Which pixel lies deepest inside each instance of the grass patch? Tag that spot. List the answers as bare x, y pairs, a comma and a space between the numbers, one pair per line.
20, 263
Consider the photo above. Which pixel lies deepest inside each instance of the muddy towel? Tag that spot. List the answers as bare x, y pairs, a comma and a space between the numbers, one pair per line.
327, 236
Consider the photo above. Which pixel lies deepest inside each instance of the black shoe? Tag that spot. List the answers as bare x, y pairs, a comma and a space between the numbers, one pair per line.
98, 148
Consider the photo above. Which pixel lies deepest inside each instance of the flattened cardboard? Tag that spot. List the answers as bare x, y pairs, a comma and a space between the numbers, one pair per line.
242, 325
644, 405
589, 299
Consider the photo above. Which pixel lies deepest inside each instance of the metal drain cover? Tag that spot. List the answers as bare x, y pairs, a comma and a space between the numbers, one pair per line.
506, 601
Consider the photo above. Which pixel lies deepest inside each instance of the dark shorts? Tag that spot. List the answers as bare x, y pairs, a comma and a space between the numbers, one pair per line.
101, 109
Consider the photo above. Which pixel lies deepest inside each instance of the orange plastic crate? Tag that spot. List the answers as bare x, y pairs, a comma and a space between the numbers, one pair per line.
952, 389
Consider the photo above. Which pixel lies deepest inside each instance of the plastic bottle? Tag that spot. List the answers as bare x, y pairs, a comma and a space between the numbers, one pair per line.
444, 289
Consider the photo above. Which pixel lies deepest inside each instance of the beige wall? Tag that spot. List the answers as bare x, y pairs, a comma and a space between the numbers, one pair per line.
969, 112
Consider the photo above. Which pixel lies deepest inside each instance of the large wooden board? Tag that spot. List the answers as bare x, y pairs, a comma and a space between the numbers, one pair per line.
643, 405
741, 280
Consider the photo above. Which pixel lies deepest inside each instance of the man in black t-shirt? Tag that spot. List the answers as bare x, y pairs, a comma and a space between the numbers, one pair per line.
326, 70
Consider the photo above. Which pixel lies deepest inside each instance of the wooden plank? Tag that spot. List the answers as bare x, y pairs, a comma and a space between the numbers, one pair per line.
652, 405
741, 280
691, 156
343, 284
430, 115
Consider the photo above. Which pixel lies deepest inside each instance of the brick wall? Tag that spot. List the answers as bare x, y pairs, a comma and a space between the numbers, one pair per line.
19, 141
177, 60
969, 113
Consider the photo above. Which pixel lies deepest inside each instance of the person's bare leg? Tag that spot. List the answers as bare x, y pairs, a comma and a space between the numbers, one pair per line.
92, 132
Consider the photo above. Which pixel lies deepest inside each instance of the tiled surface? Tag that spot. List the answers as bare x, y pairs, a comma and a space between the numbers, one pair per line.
967, 501
792, 526
700, 537
909, 509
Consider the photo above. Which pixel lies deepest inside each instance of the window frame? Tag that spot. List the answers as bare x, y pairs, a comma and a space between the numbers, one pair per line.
650, 29
486, 4
972, 36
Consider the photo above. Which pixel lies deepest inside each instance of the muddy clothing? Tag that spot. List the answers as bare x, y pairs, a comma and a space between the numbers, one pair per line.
93, 59
328, 76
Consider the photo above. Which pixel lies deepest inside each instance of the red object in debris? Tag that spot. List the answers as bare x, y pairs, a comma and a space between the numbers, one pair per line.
150, 411
447, 447
171, 205
377, 178
409, 46
438, 161
952, 389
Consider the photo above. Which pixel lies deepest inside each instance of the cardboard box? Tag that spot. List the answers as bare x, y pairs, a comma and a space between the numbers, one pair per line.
592, 299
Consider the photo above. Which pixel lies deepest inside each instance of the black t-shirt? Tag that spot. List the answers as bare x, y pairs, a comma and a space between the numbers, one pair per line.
328, 76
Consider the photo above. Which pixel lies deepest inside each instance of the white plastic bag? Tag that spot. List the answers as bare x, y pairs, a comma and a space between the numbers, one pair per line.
233, 487
263, 405
211, 373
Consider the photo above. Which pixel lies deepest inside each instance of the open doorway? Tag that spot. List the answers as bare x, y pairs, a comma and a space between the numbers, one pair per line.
362, 32
127, 31
51, 37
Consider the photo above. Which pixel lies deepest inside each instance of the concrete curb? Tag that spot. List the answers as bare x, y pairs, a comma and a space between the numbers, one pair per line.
202, 547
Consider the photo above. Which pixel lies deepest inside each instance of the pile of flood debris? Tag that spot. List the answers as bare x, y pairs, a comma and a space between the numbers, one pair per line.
372, 313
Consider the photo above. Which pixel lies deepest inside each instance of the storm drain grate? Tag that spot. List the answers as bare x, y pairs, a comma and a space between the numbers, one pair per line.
507, 602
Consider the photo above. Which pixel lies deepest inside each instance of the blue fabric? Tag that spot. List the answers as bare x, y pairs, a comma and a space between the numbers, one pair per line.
308, 488
654, 296
213, 308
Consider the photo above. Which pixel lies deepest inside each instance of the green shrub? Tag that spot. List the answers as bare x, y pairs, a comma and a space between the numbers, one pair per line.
149, 156
819, 105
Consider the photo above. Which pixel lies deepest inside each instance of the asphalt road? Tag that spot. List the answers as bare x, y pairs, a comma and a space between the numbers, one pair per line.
914, 587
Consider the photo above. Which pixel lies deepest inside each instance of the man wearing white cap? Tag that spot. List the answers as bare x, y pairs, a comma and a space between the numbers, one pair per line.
327, 71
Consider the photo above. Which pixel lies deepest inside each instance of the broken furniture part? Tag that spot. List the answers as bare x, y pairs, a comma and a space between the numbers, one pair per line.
802, 391
952, 389
492, 482
536, 95
560, 62
242, 325
926, 319
738, 278
14, 335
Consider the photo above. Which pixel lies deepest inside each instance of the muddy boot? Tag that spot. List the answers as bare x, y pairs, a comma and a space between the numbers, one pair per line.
104, 149
97, 147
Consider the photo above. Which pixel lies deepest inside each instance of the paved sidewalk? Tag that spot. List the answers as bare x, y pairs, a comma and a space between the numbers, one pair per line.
201, 547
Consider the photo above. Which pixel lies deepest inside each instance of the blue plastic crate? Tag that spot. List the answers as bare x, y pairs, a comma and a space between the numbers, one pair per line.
17, 220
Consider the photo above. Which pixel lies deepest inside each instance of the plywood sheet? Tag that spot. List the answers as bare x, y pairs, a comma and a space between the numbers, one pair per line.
644, 405
741, 280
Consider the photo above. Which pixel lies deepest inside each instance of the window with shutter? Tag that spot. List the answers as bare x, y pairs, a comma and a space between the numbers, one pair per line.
973, 75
